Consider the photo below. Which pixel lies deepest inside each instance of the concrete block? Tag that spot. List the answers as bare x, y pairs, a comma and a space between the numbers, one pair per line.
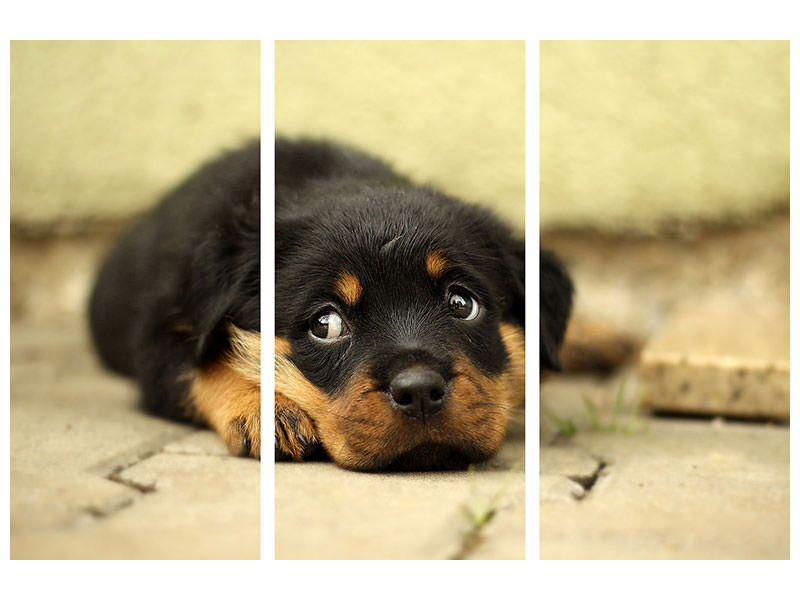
725, 357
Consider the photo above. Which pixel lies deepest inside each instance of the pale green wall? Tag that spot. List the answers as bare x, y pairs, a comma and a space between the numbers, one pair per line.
447, 113
100, 129
634, 134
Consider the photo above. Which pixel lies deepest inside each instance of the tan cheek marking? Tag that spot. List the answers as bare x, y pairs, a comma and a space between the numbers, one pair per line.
289, 382
513, 338
478, 408
360, 427
436, 263
348, 288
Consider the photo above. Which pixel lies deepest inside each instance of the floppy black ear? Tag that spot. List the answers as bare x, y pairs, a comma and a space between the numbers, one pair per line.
515, 263
227, 298
555, 304
225, 279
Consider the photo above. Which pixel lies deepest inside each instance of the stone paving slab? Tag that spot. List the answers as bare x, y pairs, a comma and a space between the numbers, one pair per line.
94, 477
722, 356
662, 489
324, 512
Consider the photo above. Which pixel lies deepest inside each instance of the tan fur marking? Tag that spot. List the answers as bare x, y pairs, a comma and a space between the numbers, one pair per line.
290, 382
348, 288
296, 400
282, 346
360, 430
245, 354
593, 346
436, 263
230, 403
514, 341
294, 430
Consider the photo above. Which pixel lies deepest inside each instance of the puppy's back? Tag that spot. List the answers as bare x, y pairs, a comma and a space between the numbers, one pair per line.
298, 162
147, 271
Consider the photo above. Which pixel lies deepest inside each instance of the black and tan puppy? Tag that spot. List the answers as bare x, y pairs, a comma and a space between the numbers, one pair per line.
399, 316
176, 303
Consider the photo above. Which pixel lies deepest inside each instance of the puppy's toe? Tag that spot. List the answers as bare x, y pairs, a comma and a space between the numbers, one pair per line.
242, 436
231, 406
295, 435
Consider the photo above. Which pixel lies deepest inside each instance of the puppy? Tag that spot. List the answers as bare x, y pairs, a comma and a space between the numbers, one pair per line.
176, 303
399, 316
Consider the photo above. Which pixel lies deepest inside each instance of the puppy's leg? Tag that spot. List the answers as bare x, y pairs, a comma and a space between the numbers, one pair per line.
229, 402
295, 434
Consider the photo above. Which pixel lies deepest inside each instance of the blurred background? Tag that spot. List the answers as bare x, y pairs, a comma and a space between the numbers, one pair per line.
664, 187
451, 113
100, 130
638, 135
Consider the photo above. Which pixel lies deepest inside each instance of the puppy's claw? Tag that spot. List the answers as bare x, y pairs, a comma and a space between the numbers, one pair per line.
243, 437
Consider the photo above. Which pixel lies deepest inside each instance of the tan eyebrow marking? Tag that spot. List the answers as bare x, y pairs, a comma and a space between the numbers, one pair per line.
348, 288
436, 263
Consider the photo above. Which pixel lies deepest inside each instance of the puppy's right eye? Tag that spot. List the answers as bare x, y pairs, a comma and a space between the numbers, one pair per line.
328, 325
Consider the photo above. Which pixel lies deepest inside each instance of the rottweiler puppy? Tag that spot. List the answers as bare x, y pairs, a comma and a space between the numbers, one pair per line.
176, 303
399, 316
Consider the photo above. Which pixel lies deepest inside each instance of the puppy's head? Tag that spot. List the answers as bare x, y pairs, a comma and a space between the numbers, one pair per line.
399, 316
555, 304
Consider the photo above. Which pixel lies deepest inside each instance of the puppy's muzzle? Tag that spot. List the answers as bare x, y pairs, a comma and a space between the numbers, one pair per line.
418, 392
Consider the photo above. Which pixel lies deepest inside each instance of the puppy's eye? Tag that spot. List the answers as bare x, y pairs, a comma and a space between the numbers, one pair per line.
328, 325
463, 304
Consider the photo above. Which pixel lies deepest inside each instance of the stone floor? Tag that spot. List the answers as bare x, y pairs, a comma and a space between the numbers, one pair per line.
694, 479
325, 512
94, 477
624, 486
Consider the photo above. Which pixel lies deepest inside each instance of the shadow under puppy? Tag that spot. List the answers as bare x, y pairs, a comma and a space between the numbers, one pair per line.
399, 316
176, 303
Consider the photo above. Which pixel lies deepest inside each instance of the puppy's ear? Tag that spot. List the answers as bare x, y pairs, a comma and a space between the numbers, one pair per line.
555, 304
514, 252
235, 301
224, 287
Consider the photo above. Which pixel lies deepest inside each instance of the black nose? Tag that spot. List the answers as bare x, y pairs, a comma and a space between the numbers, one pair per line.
418, 392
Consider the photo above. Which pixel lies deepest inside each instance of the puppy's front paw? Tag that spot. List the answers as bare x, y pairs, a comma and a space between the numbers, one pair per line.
295, 435
232, 406
243, 436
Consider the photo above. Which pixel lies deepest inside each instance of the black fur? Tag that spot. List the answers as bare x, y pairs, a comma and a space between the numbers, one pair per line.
555, 304
168, 289
347, 211
339, 210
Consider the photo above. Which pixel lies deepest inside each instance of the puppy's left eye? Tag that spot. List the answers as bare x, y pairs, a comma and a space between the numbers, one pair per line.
462, 304
328, 325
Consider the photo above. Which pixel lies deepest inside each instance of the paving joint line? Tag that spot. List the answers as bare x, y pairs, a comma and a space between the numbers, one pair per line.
113, 475
587, 482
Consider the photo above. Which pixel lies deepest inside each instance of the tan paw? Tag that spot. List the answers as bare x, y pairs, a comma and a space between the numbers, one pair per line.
295, 435
243, 436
